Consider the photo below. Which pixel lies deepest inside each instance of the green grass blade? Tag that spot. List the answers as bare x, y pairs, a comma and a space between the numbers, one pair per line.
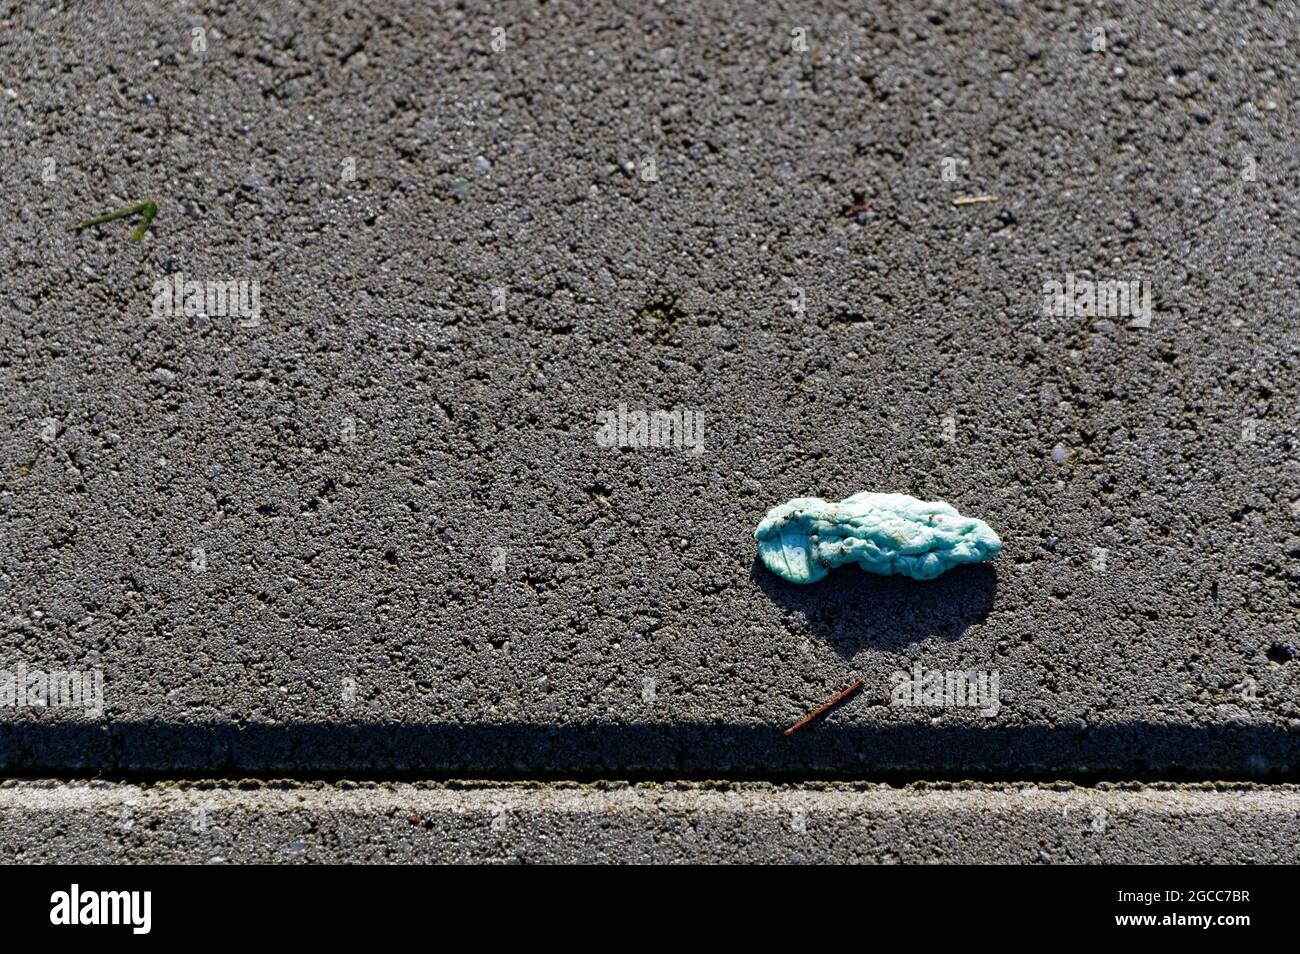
148, 208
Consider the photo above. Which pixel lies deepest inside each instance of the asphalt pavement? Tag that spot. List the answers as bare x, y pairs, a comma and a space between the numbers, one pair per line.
316, 477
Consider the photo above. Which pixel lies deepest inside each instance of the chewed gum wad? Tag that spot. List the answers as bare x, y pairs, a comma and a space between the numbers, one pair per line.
803, 540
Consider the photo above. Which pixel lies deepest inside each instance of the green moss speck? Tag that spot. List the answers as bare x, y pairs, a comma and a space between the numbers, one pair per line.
660, 315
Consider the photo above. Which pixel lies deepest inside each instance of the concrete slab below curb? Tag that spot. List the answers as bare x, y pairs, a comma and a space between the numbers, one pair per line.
752, 822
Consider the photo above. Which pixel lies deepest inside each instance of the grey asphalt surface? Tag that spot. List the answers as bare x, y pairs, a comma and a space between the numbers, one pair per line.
353, 466
42, 822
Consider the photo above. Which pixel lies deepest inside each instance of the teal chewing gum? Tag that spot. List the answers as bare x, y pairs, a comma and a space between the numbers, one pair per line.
803, 540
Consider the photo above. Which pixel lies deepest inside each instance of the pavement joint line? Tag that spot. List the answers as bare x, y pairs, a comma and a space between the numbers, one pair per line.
894, 780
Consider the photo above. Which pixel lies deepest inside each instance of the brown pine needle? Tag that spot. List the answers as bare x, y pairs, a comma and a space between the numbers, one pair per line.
974, 199
826, 706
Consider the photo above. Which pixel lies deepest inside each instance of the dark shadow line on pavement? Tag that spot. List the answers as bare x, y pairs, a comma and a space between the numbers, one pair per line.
827, 750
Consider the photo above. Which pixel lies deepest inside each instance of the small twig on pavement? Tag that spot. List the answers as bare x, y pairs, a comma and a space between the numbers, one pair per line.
826, 706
